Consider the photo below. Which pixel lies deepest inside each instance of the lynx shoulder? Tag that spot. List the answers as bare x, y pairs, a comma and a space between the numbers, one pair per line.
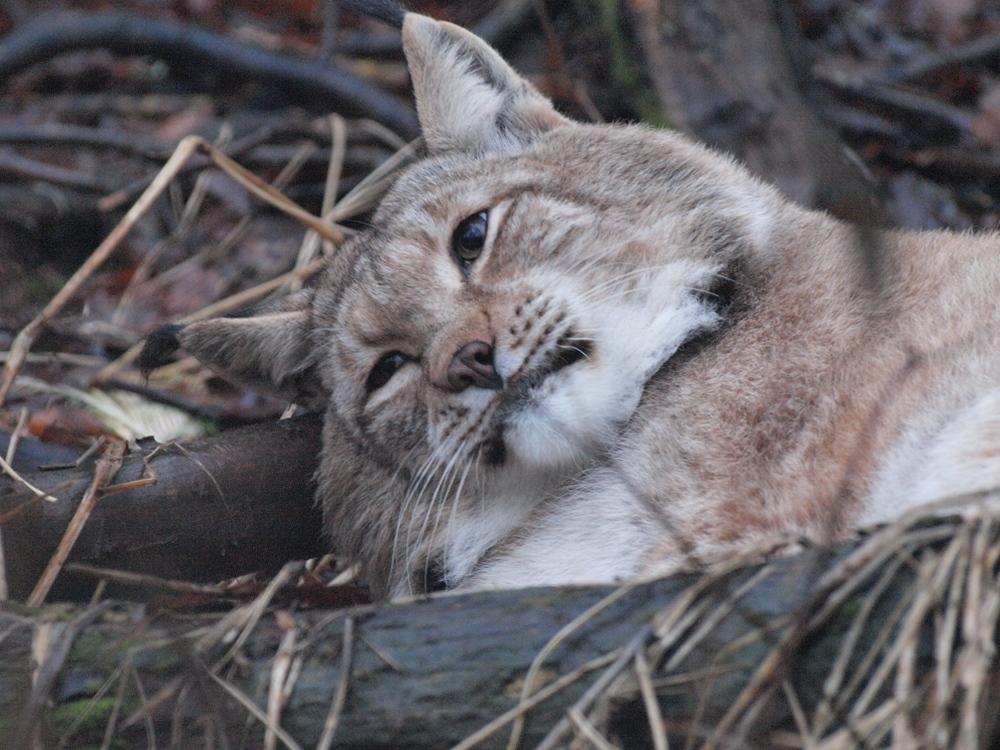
582, 353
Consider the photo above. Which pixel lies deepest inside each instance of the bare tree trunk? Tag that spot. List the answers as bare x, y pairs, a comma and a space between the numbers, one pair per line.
724, 75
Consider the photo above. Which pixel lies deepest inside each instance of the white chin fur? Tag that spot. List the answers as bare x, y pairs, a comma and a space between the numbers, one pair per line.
579, 410
550, 433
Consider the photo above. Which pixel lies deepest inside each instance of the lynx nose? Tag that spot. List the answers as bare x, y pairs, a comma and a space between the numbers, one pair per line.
473, 365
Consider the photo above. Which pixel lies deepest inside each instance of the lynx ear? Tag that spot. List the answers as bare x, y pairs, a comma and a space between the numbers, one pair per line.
270, 352
468, 98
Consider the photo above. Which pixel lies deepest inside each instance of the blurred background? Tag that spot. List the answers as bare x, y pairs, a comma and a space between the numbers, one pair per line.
881, 111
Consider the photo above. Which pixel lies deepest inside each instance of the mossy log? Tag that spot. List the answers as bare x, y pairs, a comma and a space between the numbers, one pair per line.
226, 505
857, 640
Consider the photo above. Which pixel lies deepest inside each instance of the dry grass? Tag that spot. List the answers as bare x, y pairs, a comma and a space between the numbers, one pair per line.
887, 642
895, 649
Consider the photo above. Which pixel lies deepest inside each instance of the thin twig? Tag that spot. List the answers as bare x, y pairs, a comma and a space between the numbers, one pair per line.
588, 730
279, 673
185, 149
265, 192
164, 694
394, 665
14, 165
50, 645
112, 725
4, 593
143, 702
254, 709
15, 436
18, 510
959, 54
246, 148
245, 618
711, 622
654, 716
145, 580
624, 656
540, 697
868, 662
117, 676
191, 208
824, 711
104, 472
179, 272
22, 344
932, 576
98, 594
878, 720
565, 632
340, 694
311, 242
798, 715
9, 471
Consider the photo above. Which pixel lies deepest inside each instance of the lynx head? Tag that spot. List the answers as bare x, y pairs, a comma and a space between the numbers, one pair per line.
490, 334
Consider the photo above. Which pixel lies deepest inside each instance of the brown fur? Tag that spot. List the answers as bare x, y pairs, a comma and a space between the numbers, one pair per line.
690, 363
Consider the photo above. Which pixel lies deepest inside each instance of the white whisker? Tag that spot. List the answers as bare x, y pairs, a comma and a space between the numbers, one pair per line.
450, 475
575, 349
414, 492
442, 480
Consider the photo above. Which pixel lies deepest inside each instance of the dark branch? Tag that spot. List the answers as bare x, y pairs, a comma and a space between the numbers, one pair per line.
48, 35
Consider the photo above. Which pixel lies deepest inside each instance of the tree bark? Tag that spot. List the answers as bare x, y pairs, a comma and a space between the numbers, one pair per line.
424, 674
725, 76
428, 673
234, 503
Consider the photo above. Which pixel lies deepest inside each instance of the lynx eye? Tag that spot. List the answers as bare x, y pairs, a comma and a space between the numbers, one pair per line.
469, 237
384, 369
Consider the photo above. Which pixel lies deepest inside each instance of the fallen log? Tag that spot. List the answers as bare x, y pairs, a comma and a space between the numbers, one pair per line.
234, 503
881, 641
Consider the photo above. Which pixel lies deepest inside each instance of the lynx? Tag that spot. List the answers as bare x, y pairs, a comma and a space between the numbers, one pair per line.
573, 353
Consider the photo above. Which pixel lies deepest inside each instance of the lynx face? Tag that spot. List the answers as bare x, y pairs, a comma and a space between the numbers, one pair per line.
498, 325
576, 353
495, 303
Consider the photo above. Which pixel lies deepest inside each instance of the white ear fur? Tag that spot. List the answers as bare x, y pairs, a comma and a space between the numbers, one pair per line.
468, 98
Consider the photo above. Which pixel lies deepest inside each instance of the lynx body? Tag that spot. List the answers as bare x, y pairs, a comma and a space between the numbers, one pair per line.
582, 353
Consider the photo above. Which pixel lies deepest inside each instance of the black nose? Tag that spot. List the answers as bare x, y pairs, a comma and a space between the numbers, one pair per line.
473, 365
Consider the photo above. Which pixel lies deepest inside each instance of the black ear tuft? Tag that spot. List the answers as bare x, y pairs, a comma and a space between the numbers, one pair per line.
160, 344
387, 11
